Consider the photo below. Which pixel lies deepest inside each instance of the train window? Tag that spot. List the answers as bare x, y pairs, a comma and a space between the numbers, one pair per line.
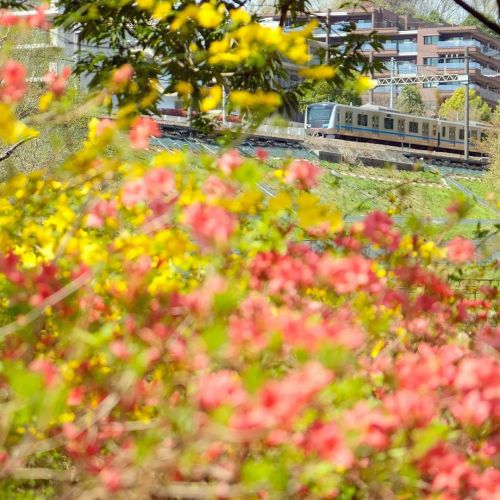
452, 133
363, 120
434, 130
348, 117
483, 136
375, 122
413, 127
425, 129
401, 125
443, 131
461, 134
388, 123
473, 134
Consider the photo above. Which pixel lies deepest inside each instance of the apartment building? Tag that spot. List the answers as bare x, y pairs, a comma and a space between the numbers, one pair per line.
414, 47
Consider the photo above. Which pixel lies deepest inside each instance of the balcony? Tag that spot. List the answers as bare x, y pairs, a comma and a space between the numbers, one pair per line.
407, 47
456, 43
391, 46
364, 25
406, 69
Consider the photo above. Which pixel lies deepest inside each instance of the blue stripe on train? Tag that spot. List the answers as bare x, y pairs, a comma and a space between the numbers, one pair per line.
400, 134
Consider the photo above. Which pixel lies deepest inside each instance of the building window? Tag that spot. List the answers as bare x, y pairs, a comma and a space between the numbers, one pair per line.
431, 40
363, 120
443, 131
375, 122
430, 61
389, 123
413, 127
425, 129
401, 125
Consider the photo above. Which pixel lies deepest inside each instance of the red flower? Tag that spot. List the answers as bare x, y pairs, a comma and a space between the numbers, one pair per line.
325, 440
123, 74
211, 225
303, 172
58, 83
220, 388
460, 250
14, 86
230, 161
378, 227
348, 274
142, 129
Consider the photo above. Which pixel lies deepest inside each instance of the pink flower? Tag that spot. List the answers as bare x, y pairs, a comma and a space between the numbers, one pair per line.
13, 77
47, 369
142, 129
123, 74
447, 469
472, 409
378, 227
261, 154
57, 83
411, 409
134, 192
220, 388
251, 324
376, 427
230, 161
460, 250
119, 349
100, 211
326, 441
211, 225
159, 182
214, 187
303, 172
347, 274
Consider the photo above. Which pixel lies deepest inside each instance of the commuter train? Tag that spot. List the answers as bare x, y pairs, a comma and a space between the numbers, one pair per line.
383, 125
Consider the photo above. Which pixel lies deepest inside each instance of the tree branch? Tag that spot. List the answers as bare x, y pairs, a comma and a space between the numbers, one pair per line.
8, 152
492, 25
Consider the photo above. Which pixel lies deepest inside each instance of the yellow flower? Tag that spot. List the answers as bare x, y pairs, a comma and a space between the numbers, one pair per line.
364, 84
12, 130
145, 4
185, 89
213, 98
162, 10
208, 16
244, 99
318, 72
240, 16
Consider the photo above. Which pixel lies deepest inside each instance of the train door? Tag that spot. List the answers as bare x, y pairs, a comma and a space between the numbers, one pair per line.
348, 120
401, 128
452, 132
425, 132
376, 124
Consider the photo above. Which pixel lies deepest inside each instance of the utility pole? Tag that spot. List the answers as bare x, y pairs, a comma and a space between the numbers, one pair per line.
327, 32
466, 111
391, 101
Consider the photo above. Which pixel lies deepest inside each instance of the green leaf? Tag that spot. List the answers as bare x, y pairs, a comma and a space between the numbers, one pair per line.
428, 437
215, 336
265, 472
253, 377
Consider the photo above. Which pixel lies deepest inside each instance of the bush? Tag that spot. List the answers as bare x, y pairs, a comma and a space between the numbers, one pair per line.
170, 331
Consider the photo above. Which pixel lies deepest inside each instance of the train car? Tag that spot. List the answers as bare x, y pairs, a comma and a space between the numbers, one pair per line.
386, 126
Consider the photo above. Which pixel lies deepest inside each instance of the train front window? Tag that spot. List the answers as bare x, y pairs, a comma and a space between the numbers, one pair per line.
319, 116
389, 123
